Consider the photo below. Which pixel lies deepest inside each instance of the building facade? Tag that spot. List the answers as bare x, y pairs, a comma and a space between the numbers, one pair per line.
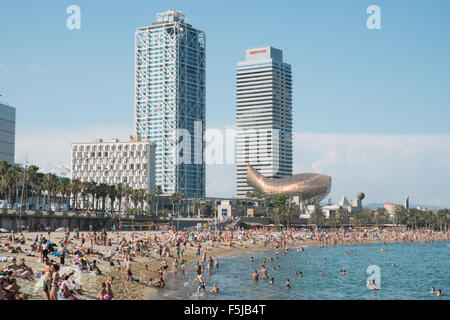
170, 100
131, 163
390, 208
7, 133
264, 116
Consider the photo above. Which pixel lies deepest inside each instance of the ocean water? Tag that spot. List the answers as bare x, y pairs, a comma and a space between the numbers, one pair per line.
418, 267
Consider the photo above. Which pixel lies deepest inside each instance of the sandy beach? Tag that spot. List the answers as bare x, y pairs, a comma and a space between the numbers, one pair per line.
143, 267
123, 289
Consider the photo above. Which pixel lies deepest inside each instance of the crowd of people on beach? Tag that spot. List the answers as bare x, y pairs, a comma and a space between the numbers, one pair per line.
75, 251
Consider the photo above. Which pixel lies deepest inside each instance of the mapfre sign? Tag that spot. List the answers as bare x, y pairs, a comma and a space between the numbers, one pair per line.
258, 51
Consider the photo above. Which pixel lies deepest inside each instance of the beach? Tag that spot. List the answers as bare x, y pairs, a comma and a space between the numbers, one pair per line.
123, 289
146, 264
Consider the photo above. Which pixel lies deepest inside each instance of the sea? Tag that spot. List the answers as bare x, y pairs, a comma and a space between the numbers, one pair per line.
401, 270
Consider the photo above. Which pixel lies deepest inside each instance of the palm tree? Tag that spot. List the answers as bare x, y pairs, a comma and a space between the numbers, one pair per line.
4, 167
84, 190
333, 219
63, 187
158, 192
341, 216
427, 218
38, 188
196, 208
4, 186
7, 184
101, 191
119, 192
127, 192
112, 195
381, 216
413, 217
90, 191
148, 198
274, 215
317, 217
290, 213
16, 175
441, 218
141, 198
175, 198
75, 188
400, 215
33, 177
50, 184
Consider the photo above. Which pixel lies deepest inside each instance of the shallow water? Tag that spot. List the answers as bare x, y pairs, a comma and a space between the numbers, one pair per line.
418, 267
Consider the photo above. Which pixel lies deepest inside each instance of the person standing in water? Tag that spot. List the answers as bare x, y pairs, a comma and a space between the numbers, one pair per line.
201, 282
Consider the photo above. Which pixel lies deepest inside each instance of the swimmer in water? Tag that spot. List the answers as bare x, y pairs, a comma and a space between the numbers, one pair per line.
288, 285
264, 273
215, 289
300, 274
322, 273
433, 290
439, 293
255, 276
251, 259
393, 265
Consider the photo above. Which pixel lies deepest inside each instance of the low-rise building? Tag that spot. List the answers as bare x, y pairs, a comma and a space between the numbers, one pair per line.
113, 162
390, 208
227, 209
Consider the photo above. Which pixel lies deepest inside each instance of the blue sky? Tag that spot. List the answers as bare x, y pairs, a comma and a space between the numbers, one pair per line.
348, 81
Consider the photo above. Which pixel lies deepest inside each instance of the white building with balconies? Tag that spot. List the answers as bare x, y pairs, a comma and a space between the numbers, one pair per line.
113, 162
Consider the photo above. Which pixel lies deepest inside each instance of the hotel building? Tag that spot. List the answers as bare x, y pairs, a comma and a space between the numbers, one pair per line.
264, 116
131, 163
170, 100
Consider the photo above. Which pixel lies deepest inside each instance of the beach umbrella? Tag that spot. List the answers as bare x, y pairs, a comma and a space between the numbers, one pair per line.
3, 230
60, 229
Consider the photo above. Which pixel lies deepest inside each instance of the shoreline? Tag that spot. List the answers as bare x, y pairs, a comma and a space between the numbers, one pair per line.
145, 268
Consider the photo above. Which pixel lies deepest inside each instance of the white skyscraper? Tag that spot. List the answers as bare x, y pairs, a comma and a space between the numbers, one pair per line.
264, 116
170, 100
